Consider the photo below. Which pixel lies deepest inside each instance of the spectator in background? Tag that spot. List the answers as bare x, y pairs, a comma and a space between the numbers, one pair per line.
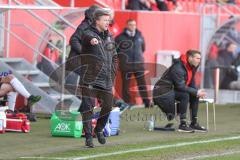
227, 1
236, 84
211, 63
51, 53
131, 46
139, 5
49, 64
59, 45
73, 62
225, 60
168, 5
162, 5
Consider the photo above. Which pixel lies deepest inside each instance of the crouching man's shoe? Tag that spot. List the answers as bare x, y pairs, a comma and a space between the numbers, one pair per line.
196, 127
100, 136
185, 128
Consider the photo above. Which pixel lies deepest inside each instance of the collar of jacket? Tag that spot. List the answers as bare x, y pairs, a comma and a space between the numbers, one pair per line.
189, 68
125, 31
103, 34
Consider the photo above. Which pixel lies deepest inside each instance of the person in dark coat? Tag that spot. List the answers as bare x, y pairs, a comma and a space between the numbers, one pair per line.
73, 61
139, 5
131, 47
98, 62
225, 59
177, 84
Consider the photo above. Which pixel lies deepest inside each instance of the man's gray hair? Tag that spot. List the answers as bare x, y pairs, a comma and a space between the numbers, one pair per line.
101, 12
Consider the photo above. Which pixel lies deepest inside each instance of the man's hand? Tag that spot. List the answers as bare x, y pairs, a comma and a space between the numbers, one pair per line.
201, 93
94, 41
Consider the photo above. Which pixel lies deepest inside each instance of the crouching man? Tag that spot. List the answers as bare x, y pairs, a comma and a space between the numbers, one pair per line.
177, 85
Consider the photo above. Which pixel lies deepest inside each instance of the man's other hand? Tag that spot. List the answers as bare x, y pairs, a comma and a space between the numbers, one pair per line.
201, 93
94, 41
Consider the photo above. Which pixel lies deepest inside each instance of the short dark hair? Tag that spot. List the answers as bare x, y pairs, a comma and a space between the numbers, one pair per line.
192, 53
101, 12
89, 13
131, 20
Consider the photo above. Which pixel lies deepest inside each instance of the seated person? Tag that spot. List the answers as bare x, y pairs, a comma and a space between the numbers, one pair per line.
139, 5
177, 83
10, 84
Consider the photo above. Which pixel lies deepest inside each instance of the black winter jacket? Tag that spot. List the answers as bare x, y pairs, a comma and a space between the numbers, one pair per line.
98, 61
76, 38
227, 74
175, 78
130, 49
73, 61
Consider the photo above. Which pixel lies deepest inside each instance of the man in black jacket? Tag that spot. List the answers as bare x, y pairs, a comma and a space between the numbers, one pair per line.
225, 59
177, 83
131, 47
98, 62
76, 40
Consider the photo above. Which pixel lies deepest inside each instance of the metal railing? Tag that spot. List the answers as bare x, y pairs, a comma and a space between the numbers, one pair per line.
40, 19
24, 42
41, 2
29, 10
38, 35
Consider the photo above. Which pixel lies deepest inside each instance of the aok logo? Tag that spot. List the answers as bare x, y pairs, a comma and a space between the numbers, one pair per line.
62, 127
3, 74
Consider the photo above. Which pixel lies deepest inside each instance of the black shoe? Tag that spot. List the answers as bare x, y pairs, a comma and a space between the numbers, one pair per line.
169, 125
185, 128
89, 142
100, 136
197, 127
33, 99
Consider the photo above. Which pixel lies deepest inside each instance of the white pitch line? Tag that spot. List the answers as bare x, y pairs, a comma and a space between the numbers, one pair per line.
211, 155
139, 150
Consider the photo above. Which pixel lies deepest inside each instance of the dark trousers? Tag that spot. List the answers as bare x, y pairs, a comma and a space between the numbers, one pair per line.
184, 98
140, 78
104, 97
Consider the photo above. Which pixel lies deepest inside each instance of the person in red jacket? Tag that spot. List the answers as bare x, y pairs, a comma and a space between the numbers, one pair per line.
178, 84
51, 53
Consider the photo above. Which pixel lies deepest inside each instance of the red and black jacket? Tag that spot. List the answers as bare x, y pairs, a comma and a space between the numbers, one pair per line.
180, 77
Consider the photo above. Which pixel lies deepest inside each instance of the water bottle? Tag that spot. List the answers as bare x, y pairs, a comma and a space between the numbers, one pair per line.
151, 123
107, 130
114, 118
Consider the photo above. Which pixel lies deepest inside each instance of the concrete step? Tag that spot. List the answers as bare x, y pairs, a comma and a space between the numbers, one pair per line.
41, 84
30, 72
11, 60
58, 96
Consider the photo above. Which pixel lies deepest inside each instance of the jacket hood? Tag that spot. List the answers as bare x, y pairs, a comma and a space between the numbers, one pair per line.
90, 12
183, 58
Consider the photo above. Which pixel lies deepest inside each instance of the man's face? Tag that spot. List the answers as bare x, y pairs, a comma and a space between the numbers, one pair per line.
232, 48
131, 26
103, 22
195, 60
